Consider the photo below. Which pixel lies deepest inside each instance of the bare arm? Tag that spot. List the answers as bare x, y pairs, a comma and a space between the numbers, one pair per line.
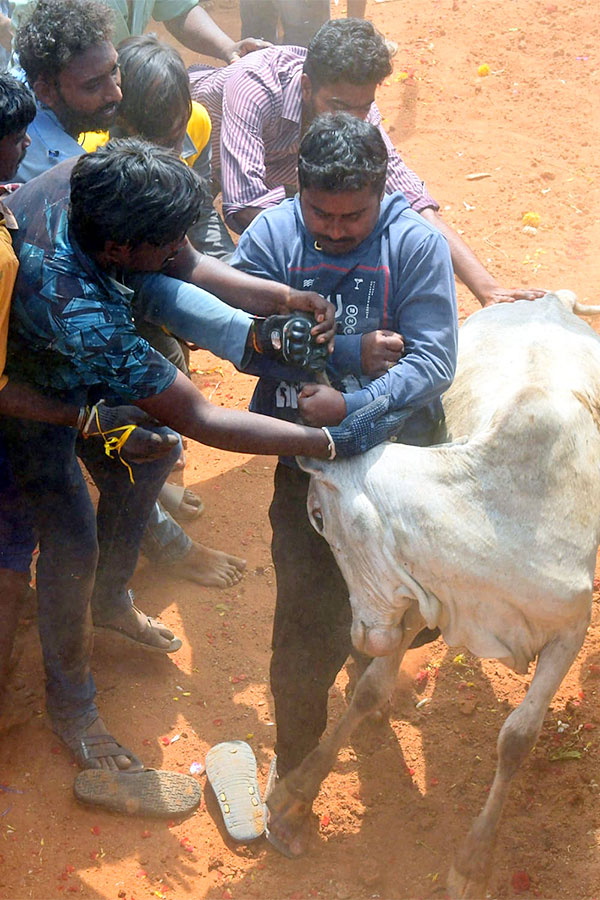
197, 31
472, 272
186, 410
143, 445
244, 217
23, 402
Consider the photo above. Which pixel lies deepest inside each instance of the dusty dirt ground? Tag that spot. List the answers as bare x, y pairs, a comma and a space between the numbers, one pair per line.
402, 796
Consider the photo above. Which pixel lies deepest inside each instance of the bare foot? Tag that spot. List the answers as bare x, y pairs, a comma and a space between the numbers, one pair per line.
17, 705
289, 819
210, 567
90, 751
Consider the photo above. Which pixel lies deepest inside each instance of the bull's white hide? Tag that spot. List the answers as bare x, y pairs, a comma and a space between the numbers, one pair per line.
495, 534
491, 534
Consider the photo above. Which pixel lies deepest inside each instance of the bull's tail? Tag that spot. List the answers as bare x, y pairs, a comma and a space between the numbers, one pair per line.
569, 299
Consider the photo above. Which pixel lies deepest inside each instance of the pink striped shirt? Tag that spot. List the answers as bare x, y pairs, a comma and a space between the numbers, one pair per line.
255, 106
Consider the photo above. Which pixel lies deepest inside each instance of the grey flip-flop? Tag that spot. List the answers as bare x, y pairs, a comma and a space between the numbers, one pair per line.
231, 771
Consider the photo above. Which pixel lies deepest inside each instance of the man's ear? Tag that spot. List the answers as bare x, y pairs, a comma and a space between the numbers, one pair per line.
306, 88
46, 91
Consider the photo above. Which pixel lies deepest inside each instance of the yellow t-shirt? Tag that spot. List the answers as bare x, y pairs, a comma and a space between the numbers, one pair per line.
198, 130
9, 265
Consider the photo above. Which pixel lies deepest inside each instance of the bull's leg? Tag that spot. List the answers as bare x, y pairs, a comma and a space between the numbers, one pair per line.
291, 801
472, 865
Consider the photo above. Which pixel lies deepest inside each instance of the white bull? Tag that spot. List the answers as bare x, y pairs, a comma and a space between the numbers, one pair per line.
491, 536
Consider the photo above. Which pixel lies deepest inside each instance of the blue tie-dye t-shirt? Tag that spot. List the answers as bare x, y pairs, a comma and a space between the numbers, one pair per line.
71, 329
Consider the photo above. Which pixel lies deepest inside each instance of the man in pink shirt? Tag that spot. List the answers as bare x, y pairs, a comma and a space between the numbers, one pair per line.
261, 106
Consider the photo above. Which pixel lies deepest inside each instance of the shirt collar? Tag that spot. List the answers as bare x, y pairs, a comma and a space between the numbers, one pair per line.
52, 130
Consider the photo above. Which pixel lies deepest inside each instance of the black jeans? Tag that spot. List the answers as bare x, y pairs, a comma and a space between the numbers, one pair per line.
311, 630
84, 554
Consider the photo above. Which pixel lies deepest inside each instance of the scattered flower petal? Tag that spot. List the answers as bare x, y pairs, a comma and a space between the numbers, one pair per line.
532, 218
520, 881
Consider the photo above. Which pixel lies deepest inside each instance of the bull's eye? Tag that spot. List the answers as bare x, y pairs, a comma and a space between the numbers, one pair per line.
317, 518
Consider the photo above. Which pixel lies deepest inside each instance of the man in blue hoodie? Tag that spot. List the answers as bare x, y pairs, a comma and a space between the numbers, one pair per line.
389, 274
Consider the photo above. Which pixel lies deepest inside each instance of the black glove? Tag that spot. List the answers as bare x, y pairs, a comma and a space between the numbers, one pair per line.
288, 338
102, 418
365, 428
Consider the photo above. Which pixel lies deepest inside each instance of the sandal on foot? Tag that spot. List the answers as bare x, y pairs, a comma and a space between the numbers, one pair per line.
90, 747
139, 636
231, 771
163, 795
180, 502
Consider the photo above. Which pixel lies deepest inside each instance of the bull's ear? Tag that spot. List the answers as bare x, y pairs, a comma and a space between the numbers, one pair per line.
312, 466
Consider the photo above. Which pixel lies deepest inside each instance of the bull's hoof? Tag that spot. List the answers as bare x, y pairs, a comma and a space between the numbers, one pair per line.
289, 816
464, 887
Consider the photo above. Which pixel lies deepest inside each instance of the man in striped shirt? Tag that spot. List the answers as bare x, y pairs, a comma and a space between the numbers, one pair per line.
261, 106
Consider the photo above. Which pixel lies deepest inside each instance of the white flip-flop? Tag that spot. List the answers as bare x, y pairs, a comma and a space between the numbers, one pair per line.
231, 771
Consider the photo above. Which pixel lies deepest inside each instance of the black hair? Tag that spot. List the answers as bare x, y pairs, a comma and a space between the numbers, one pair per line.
350, 50
131, 192
342, 153
17, 105
58, 30
155, 86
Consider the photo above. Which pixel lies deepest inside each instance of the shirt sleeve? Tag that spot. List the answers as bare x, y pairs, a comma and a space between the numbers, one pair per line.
112, 353
192, 314
425, 314
247, 105
164, 10
346, 354
399, 176
258, 251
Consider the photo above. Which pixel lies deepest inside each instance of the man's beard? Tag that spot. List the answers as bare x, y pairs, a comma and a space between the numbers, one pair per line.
76, 122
